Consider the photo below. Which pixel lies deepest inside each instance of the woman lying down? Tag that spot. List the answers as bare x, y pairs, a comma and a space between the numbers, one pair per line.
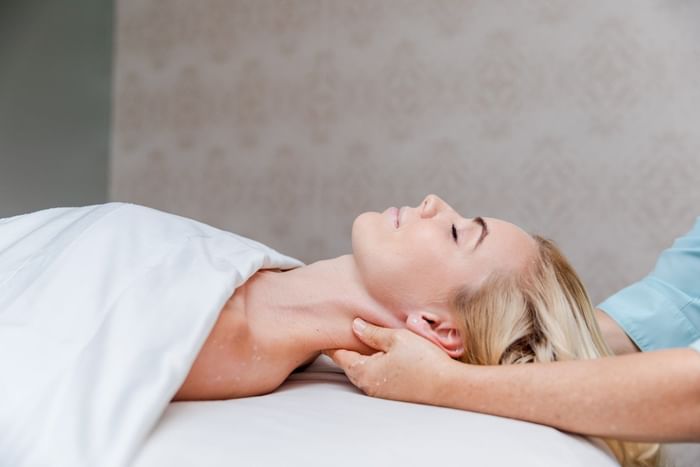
109, 312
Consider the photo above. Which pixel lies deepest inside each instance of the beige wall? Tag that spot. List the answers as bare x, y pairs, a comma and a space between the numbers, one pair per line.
283, 120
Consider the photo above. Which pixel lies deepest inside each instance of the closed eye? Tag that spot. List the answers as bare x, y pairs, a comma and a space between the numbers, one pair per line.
454, 233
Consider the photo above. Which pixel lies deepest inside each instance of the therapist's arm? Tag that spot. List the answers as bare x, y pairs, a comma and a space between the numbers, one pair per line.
652, 396
616, 338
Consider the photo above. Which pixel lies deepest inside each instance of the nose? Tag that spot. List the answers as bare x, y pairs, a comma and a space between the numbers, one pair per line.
431, 205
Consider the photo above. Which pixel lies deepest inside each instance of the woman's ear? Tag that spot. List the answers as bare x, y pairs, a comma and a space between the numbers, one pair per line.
438, 330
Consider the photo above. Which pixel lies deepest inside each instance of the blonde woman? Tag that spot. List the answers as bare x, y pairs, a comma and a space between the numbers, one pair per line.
482, 290
114, 310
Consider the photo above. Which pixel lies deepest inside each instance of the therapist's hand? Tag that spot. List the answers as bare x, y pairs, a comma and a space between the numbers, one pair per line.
406, 367
596, 397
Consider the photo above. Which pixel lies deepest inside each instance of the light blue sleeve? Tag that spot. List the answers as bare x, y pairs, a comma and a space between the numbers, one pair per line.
696, 345
663, 309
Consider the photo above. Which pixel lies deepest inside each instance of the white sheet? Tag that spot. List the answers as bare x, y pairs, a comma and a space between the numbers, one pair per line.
102, 312
319, 419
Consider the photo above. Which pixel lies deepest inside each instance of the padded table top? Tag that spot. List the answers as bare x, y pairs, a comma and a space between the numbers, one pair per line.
317, 418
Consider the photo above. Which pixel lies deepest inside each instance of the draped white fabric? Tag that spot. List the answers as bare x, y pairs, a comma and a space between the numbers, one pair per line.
102, 312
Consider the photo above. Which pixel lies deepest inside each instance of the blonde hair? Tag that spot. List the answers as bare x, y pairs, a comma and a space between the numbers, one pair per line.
541, 315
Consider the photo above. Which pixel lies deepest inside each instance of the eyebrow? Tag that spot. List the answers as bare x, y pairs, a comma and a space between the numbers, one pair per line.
484, 230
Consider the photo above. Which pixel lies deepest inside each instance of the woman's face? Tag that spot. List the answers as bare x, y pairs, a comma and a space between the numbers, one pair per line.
415, 258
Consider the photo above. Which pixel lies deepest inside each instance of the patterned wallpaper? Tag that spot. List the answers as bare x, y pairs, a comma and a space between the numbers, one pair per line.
284, 119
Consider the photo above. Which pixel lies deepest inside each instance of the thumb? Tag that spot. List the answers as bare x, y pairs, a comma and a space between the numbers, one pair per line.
374, 336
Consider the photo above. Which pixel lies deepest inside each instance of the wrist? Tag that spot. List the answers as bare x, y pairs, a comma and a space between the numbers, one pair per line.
449, 376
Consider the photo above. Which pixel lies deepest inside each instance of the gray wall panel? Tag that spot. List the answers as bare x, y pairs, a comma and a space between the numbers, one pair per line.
55, 101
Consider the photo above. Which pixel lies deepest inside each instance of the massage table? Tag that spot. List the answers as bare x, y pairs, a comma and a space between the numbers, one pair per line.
318, 418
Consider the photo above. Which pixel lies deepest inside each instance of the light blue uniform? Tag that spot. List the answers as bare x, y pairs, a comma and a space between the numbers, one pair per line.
663, 310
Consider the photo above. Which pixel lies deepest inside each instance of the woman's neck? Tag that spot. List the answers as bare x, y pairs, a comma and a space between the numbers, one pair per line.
301, 312
275, 322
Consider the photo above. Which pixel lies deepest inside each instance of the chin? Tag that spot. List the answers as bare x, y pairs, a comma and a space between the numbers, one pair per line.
361, 232
367, 243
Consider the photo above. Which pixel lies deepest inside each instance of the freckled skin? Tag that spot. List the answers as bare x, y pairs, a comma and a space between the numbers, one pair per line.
397, 278
230, 364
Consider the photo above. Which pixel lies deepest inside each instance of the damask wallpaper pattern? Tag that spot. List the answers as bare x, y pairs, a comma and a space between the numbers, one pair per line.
284, 119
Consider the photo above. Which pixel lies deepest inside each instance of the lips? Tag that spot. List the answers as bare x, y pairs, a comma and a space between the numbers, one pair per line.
393, 214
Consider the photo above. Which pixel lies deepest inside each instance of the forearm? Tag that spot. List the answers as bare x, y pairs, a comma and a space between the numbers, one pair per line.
643, 397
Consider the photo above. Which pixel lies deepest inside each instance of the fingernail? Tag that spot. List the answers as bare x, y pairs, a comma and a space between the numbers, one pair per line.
359, 325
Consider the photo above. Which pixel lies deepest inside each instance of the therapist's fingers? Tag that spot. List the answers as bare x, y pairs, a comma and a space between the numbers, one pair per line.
345, 359
374, 336
352, 363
